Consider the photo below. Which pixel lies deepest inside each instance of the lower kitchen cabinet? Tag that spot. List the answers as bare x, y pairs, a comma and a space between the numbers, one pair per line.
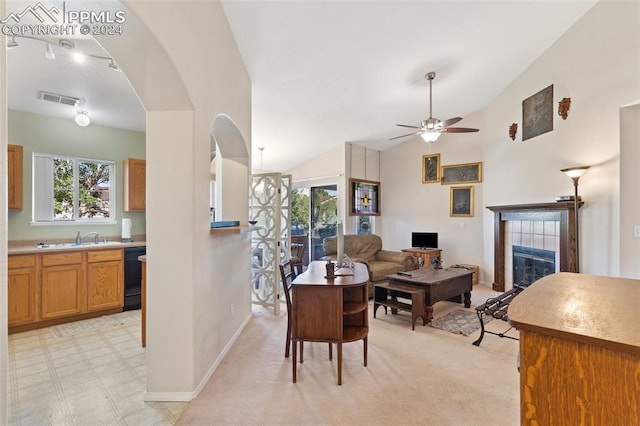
105, 287
52, 288
21, 288
62, 285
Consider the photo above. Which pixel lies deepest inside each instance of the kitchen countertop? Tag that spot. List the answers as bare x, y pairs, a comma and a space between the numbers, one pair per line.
62, 247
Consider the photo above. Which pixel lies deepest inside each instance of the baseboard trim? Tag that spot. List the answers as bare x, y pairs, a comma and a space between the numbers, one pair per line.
188, 396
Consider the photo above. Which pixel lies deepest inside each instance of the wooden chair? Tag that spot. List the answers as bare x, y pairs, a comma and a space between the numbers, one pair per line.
297, 255
288, 274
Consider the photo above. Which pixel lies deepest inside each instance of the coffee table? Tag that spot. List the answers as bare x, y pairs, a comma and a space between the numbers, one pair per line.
438, 285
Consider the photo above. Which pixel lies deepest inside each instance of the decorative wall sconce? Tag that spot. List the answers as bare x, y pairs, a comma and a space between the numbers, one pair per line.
563, 108
513, 130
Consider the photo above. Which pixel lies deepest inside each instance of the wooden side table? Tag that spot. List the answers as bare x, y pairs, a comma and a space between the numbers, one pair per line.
426, 254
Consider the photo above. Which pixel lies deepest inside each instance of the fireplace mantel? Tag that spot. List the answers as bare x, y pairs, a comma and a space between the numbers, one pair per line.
559, 211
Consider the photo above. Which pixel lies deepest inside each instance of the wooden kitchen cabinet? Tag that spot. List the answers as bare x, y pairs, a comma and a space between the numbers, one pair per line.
135, 181
21, 294
579, 350
63, 286
15, 167
63, 289
105, 280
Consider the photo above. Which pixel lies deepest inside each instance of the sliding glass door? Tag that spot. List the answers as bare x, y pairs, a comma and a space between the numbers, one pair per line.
324, 217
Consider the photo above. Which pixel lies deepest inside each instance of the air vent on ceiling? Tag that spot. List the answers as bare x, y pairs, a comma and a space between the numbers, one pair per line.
59, 99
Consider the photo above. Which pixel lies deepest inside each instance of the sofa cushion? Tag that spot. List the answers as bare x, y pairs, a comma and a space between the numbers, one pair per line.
378, 271
355, 246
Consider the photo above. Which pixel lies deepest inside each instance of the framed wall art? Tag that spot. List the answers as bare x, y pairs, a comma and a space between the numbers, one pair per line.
431, 168
364, 197
461, 173
461, 201
537, 114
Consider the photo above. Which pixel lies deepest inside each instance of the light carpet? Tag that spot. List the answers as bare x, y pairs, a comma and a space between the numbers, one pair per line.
421, 377
459, 322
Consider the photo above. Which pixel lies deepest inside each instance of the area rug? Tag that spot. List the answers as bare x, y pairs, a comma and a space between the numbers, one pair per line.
459, 322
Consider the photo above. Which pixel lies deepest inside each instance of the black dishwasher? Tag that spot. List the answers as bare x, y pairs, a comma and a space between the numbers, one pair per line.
133, 277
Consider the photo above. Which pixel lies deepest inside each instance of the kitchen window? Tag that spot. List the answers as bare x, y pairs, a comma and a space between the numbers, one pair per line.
70, 189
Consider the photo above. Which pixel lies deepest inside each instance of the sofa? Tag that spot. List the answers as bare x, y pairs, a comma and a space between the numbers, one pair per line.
367, 249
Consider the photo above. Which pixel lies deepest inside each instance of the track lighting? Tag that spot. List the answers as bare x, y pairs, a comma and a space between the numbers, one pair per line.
82, 119
78, 56
114, 66
12, 44
48, 53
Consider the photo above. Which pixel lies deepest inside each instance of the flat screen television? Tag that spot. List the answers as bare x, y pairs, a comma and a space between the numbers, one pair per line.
424, 239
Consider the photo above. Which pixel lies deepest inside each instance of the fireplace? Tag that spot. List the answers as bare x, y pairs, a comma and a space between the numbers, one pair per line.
530, 264
560, 212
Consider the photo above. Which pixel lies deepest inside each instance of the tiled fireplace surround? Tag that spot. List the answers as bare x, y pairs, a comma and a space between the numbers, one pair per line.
541, 234
548, 226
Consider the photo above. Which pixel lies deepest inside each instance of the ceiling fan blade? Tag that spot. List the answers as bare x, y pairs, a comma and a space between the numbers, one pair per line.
406, 125
459, 130
398, 137
450, 122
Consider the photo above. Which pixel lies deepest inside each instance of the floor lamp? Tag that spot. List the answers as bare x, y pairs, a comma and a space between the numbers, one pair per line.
575, 173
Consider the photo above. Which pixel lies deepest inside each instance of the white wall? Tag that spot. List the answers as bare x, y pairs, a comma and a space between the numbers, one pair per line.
4, 344
629, 199
408, 205
596, 63
194, 280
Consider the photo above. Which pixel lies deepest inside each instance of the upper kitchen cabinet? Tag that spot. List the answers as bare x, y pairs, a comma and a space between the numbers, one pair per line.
15, 179
134, 185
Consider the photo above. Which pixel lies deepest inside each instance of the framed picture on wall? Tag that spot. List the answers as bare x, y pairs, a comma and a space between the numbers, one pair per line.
431, 168
364, 197
461, 201
461, 173
537, 114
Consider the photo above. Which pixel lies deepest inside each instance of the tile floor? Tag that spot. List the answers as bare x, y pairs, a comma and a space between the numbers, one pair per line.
89, 372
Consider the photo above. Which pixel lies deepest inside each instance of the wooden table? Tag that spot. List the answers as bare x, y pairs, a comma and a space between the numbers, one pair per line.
423, 256
579, 350
438, 285
330, 310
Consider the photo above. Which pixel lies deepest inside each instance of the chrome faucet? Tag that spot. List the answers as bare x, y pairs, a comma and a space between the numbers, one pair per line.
79, 238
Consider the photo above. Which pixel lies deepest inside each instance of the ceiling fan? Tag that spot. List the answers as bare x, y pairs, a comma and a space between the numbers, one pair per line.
431, 128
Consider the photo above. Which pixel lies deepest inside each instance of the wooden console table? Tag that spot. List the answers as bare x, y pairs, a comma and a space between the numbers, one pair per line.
579, 350
329, 310
426, 254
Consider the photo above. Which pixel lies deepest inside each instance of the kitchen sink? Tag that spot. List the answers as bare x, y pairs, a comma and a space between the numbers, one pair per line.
71, 245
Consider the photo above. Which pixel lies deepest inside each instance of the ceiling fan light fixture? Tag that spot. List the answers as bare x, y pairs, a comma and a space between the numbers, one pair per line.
430, 136
82, 119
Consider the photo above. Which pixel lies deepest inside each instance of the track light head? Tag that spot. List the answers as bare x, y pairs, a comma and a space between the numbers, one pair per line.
12, 44
48, 53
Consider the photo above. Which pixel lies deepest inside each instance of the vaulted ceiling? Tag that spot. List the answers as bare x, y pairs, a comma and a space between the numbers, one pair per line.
328, 72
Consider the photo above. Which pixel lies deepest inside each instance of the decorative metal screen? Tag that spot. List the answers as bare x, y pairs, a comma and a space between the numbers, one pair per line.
270, 206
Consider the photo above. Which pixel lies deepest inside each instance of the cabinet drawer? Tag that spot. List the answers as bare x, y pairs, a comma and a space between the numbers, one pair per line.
70, 258
104, 255
25, 261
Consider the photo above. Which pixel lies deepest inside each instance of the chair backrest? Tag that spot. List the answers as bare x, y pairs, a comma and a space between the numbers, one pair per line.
297, 254
297, 251
287, 275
